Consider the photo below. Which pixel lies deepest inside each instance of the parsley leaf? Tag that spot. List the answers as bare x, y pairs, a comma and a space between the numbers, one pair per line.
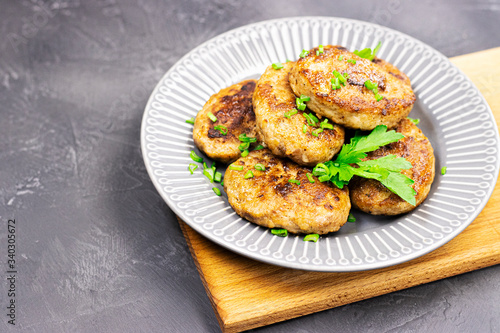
377, 138
368, 53
401, 185
386, 169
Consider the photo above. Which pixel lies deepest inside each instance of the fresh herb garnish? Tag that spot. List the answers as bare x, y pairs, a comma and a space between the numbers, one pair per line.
303, 54
221, 128
300, 101
277, 65
212, 117
249, 174
351, 218
368, 53
415, 121
195, 157
259, 167
192, 167
290, 113
190, 121
443, 170
280, 232
310, 177
374, 88
311, 238
236, 167
385, 169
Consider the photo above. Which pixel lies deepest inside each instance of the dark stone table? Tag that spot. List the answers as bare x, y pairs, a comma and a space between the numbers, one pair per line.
97, 249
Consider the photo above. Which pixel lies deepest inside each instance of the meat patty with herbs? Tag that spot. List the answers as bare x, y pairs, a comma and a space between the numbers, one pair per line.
285, 129
372, 197
277, 193
352, 91
225, 116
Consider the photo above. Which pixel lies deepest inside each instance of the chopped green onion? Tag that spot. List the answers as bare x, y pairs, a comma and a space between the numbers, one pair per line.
373, 87
304, 98
260, 167
312, 120
221, 128
217, 191
443, 170
351, 218
317, 131
294, 181
244, 146
370, 85
259, 147
195, 157
300, 104
324, 124
346, 75
310, 177
212, 117
209, 173
304, 53
277, 65
375, 50
304, 128
249, 174
311, 238
205, 166
244, 153
320, 48
244, 138
317, 53
290, 113
415, 121
335, 83
324, 178
190, 121
236, 167
352, 61
280, 232
367, 53
218, 177
192, 167
341, 57
340, 77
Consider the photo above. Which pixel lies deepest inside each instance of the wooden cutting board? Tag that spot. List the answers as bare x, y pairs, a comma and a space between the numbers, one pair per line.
246, 294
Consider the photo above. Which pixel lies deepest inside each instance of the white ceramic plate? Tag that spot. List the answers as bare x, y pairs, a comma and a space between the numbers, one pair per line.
452, 112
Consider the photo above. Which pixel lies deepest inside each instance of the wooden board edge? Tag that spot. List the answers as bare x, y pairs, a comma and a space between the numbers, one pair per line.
234, 326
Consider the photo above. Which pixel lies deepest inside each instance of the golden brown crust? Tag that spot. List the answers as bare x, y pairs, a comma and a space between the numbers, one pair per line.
233, 108
353, 105
284, 136
372, 197
270, 200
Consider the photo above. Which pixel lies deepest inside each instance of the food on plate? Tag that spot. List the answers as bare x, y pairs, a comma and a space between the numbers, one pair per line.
277, 193
350, 90
349, 163
226, 115
295, 109
288, 131
372, 197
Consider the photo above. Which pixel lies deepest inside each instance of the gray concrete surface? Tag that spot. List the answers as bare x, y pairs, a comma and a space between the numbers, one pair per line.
97, 250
